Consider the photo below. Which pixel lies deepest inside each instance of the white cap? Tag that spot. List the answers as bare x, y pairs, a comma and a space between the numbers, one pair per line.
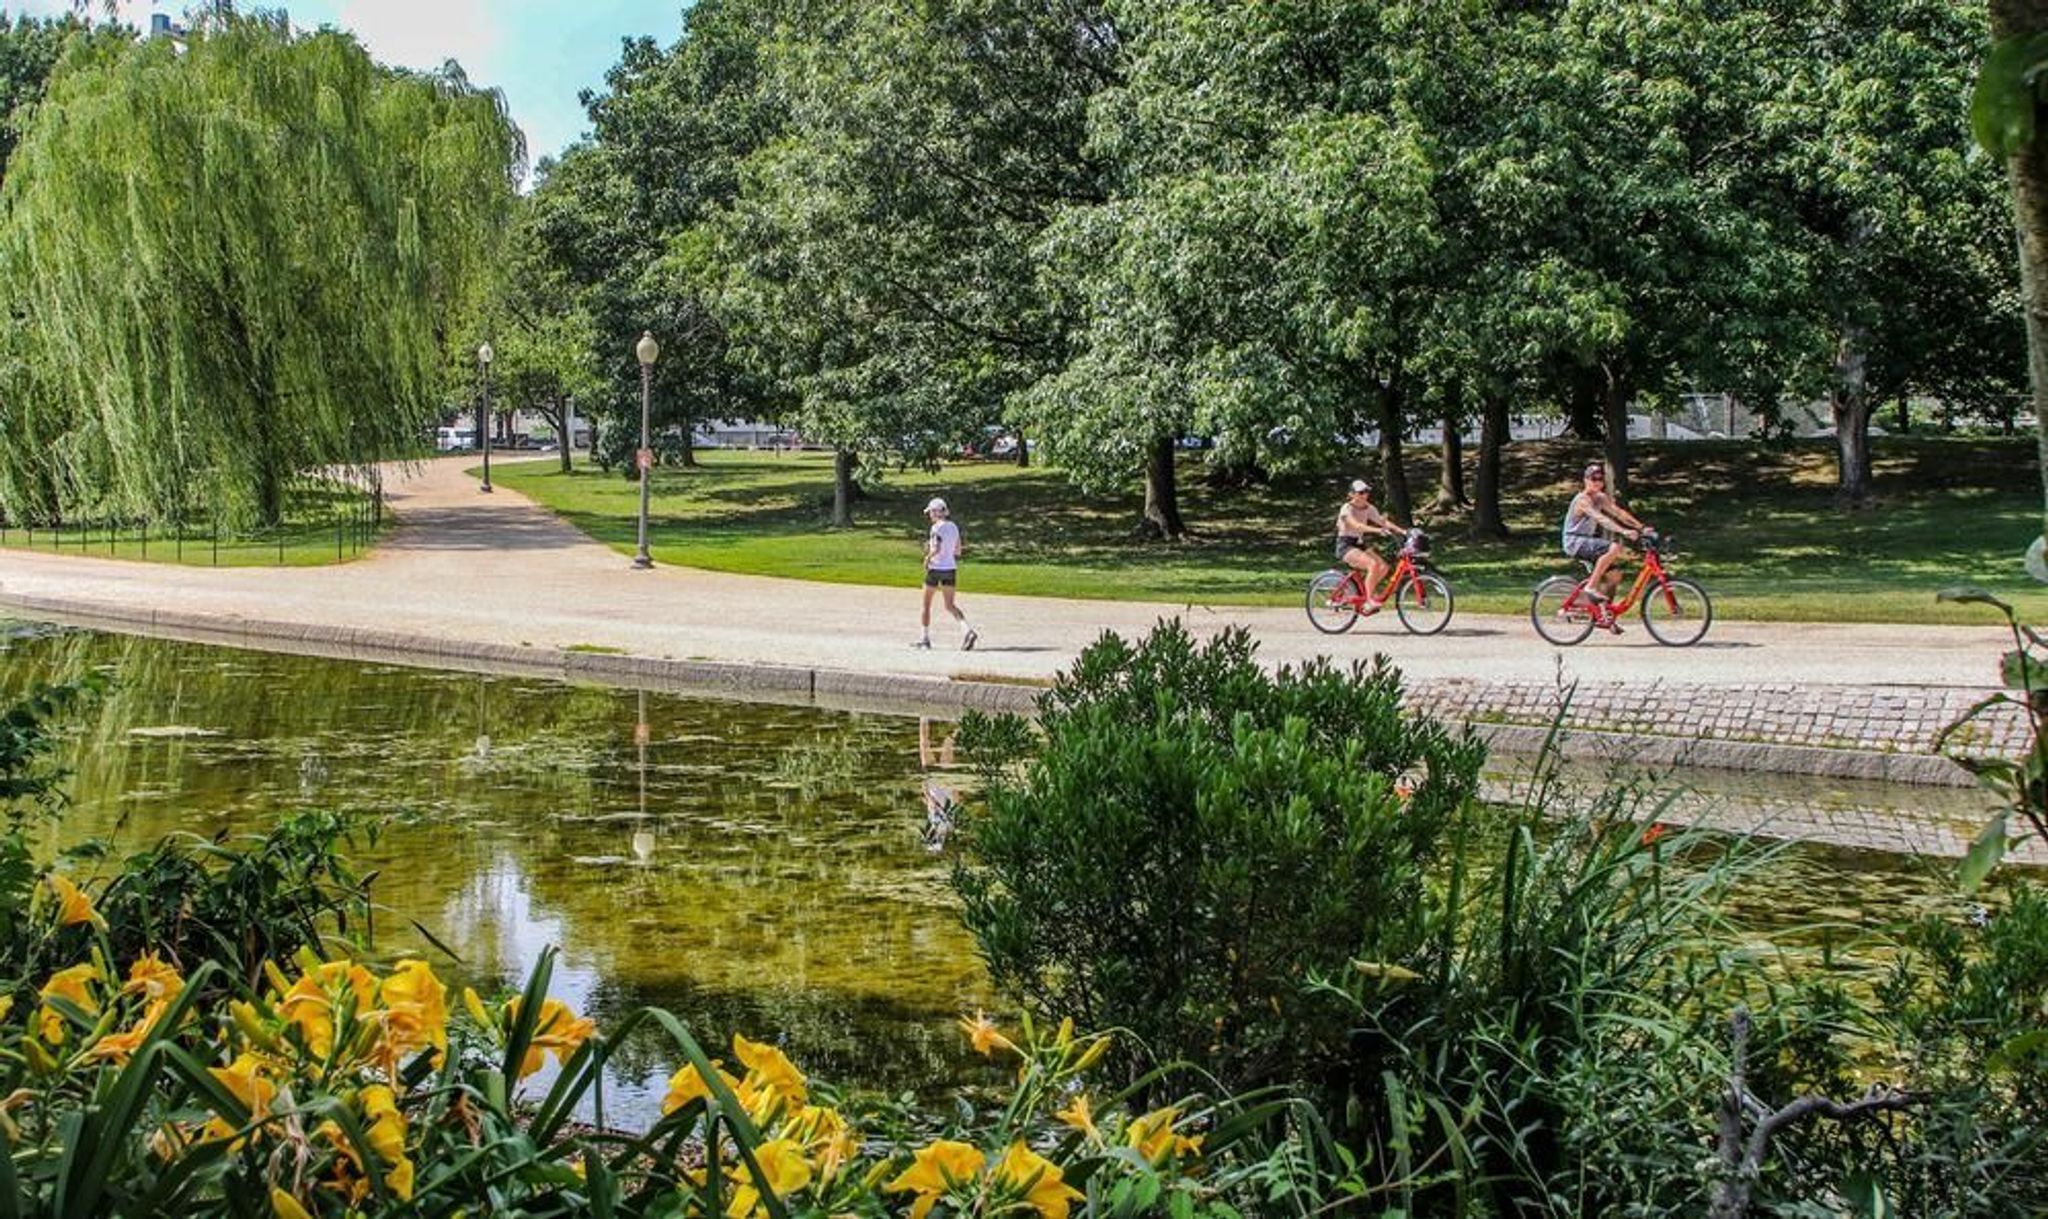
1360, 487
937, 505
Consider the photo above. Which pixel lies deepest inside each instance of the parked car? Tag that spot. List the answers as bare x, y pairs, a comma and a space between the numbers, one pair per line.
454, 439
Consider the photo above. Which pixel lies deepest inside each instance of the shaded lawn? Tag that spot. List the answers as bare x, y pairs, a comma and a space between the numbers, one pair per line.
1758, 526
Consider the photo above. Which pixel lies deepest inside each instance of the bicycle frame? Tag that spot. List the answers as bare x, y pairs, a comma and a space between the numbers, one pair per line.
1651, 570
1354, 592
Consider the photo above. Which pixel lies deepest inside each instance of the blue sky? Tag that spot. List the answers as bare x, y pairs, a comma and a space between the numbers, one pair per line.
540, 52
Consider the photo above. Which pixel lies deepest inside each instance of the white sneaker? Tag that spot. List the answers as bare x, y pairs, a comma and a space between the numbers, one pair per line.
924, 645
967, 640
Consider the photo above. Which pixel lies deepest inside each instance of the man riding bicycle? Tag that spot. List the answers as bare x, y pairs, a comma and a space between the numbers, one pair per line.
1357, 520
1592, 510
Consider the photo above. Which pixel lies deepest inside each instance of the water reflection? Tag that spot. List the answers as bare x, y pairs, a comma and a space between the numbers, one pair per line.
752, 868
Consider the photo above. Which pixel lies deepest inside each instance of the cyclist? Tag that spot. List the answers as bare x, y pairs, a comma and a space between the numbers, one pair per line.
1592, 510
1357, 520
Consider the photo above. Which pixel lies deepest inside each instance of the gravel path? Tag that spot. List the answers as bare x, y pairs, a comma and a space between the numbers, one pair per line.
465, 566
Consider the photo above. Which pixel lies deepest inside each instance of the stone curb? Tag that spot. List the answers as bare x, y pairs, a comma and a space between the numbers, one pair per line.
857, 690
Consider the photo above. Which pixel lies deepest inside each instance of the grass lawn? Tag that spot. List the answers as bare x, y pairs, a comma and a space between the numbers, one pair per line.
1758, 526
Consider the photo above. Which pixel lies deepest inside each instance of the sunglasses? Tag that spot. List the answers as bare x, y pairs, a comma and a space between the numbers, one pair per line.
1596, 478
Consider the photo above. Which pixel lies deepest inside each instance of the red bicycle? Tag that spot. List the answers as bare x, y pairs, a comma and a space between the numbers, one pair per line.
1676, 612
1338, 598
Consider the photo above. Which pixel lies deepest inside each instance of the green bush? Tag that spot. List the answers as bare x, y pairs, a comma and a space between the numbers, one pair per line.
1190, 840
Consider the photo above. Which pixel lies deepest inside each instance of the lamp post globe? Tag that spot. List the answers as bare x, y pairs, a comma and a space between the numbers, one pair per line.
647, 351
484, 356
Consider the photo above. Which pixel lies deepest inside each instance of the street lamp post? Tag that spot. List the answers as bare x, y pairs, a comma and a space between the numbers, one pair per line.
647, 350
484, 355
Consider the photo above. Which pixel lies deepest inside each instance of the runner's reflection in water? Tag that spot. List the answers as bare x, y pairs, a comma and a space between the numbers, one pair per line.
643, 837
939, 801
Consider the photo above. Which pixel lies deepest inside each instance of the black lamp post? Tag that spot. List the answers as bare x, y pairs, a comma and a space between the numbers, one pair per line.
484, 355
647, 350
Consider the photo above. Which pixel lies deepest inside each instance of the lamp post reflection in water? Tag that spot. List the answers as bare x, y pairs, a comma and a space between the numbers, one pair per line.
643, 838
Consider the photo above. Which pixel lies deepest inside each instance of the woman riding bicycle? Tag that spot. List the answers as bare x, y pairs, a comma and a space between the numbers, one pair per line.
1358, 519
1592, 510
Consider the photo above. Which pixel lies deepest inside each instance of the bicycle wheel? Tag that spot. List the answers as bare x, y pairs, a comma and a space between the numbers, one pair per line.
1424, 604
1561, 626
1677, 613
1332, 604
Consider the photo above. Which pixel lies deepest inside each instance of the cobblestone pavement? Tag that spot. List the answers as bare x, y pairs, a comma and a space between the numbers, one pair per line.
471, 567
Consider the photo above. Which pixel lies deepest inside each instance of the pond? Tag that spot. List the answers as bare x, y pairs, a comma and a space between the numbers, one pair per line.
751, 867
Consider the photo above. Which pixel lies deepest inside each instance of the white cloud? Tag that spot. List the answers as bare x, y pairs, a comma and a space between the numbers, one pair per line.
424, 33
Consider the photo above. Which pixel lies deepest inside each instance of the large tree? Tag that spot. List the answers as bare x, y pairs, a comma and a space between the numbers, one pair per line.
236, 260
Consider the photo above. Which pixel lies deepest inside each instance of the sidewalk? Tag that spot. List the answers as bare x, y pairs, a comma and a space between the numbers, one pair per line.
466, 567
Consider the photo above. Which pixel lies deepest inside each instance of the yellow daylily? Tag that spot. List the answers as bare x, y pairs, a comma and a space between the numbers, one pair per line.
982, 1034
936, 1171
783, 1163
771, 1072
1081, 1116
243, 1078
1037, 1179
558, 1030
825, 1137
73, 906
415, 1015
311, 1003
118, 1048
688, 1085
284, 1206
74, 985
1154, 1137
155, 980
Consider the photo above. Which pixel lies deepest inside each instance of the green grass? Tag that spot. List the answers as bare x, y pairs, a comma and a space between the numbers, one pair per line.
320, 529
1758, 526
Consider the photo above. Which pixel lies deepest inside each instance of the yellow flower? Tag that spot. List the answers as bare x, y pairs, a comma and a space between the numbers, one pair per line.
119, 1047
153, 979
981, 1033
474, 1004
1080, 1116
824, 1136
415, 1015
312, 1001
936, 1171
1037, 1179
284, 1206
73, 906
243, 1078
770, 1072
688, 1085
386, 1132
1154, 1137
558, 1030
783, 1164
74, 986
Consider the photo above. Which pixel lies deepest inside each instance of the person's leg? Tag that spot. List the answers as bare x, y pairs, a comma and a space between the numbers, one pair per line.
967, 635
925, 637
1602, 567
1375, 575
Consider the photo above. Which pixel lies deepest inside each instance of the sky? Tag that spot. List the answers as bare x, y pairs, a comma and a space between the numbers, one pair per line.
540, 52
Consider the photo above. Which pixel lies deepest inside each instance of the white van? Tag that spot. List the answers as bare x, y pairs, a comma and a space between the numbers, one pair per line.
454, 439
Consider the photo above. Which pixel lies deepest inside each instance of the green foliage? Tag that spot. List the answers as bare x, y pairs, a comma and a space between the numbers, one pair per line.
2020, 783
29, 50
1195, 838
302, 224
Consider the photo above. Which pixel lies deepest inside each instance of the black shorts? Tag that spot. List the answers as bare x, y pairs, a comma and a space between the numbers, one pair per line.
933, 577
1347, 545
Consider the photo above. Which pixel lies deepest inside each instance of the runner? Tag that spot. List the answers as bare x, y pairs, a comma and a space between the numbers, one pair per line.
942, 574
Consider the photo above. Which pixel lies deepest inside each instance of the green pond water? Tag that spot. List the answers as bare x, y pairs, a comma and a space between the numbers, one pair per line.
751, 867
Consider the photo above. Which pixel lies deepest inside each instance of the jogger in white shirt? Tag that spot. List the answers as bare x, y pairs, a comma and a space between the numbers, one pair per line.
942, 573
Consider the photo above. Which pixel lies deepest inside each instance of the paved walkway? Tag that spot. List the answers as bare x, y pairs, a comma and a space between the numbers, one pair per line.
469, 567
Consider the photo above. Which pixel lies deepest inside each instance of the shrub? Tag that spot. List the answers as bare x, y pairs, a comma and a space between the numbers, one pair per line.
1192, 839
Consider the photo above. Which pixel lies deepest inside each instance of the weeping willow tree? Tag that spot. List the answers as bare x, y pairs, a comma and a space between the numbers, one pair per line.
231, 262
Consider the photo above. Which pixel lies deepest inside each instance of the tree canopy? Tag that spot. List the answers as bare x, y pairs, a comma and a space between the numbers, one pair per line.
234, 260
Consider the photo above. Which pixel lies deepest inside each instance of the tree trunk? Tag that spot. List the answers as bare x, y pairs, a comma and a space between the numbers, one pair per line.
1582, 408
1023, 450
562, 422
1614, 426
1450, 482
1904, 421
689, 444
842, 488
1162, 493
1849, 404
1493, 436
2029, 168
1393, 472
